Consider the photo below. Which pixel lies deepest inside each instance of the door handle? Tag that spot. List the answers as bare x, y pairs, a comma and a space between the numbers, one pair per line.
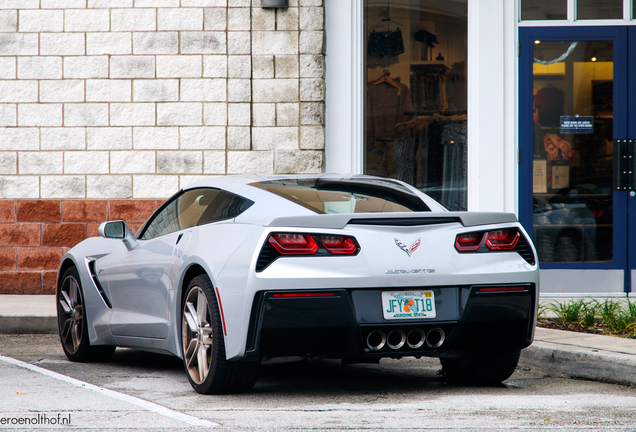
624, 178
179, 238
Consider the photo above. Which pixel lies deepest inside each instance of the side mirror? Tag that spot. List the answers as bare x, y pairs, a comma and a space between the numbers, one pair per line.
118, 230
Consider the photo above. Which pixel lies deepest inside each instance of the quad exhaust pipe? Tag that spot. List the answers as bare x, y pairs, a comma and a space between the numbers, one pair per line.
435, 337
376, 340
397, 338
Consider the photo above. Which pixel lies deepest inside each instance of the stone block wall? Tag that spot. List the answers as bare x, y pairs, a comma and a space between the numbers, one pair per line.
107, 101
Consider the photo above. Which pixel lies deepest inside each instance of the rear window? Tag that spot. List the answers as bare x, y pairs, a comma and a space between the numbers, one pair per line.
325, 196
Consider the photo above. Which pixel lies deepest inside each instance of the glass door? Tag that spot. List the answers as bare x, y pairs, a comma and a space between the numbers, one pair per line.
573, 95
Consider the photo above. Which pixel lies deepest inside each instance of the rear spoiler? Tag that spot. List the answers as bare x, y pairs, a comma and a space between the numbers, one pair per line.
339, 221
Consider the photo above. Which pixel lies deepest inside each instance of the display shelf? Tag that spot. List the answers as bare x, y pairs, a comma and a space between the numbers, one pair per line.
549, 195
573, 225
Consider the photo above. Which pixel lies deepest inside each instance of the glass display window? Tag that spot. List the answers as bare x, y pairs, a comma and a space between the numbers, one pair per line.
416, 95
532, 10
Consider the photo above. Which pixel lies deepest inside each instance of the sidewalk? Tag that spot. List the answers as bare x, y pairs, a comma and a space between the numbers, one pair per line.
556, 352
27, 314
582, 355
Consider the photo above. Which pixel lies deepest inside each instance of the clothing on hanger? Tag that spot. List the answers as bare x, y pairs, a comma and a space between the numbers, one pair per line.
549, 101
386, 106
385, 43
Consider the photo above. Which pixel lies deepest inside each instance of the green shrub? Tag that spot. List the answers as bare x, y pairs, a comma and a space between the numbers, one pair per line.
610, 315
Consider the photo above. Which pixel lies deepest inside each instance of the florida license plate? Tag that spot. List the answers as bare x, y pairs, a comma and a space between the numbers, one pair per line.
408, 304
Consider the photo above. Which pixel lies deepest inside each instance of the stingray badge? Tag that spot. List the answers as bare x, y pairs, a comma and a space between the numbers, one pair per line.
409, 250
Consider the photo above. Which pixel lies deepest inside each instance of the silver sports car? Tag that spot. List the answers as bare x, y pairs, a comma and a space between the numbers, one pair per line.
232, 270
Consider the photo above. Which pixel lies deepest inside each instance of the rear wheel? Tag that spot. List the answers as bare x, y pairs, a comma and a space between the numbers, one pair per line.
204, 359
481, 368
72, 322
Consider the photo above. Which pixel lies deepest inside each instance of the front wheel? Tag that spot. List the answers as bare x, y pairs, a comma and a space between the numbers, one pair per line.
481, 368
204, 359
72, 322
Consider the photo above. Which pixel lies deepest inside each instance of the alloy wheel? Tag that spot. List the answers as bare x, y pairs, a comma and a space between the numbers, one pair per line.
197, 335
72, 319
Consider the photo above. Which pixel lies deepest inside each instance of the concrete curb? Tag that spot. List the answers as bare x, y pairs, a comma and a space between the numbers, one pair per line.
576, 362
28, 324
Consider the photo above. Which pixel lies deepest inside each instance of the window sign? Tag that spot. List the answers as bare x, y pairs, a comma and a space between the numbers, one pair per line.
577, 124
540, 178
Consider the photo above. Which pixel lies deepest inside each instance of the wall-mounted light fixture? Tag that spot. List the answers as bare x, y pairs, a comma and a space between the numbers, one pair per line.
274, 3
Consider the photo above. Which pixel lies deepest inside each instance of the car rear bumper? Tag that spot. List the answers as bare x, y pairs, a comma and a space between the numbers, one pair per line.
349, 323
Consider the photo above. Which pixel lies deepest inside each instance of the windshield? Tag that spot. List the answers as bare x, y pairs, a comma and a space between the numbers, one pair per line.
346, 196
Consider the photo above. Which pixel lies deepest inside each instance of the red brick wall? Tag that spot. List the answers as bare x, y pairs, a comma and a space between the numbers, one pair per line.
34, 234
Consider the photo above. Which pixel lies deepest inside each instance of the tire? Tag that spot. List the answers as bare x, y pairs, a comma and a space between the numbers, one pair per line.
481, 369
72, 322
204, 359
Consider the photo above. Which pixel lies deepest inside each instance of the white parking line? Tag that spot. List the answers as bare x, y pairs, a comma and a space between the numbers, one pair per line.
149, 406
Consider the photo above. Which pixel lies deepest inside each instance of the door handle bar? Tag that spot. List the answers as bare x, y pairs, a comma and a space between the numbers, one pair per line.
624, 178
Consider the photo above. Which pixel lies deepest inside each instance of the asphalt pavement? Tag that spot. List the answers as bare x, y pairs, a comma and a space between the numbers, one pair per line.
555, 352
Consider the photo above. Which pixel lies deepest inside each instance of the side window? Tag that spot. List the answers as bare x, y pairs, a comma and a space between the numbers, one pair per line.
163, 222
224, 206
195, 207
184, 211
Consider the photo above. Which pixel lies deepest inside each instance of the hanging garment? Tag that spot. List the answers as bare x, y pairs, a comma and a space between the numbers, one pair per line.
421, 157
405, 157
385, 108
428, 84
385, 43
454, 196
549, 101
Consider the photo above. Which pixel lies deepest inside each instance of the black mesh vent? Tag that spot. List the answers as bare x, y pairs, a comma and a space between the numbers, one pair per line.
267, 256
91, 267
524, 249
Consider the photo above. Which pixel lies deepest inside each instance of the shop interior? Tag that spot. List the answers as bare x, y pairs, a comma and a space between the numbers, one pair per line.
416, 95
572, 167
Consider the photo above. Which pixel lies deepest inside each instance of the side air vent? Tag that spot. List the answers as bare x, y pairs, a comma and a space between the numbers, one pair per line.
405, 221
91, 268
524, 249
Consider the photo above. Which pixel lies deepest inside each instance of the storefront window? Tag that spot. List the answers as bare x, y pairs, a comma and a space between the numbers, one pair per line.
573, 165
416, 95
544, 10
599, 9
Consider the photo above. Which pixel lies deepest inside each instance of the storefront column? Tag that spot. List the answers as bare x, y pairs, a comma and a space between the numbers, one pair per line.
345, 86
486, 105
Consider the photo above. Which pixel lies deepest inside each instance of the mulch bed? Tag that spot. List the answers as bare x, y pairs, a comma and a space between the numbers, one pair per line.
553, 324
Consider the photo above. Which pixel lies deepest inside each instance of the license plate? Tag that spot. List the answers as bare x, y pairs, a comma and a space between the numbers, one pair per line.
408, 304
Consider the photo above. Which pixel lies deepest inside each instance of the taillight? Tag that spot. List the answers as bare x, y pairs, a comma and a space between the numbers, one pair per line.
505, 239
468, 242
496, 240
294, 244
339, 245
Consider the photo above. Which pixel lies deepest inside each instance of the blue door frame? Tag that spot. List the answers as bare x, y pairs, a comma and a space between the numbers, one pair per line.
624, 104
